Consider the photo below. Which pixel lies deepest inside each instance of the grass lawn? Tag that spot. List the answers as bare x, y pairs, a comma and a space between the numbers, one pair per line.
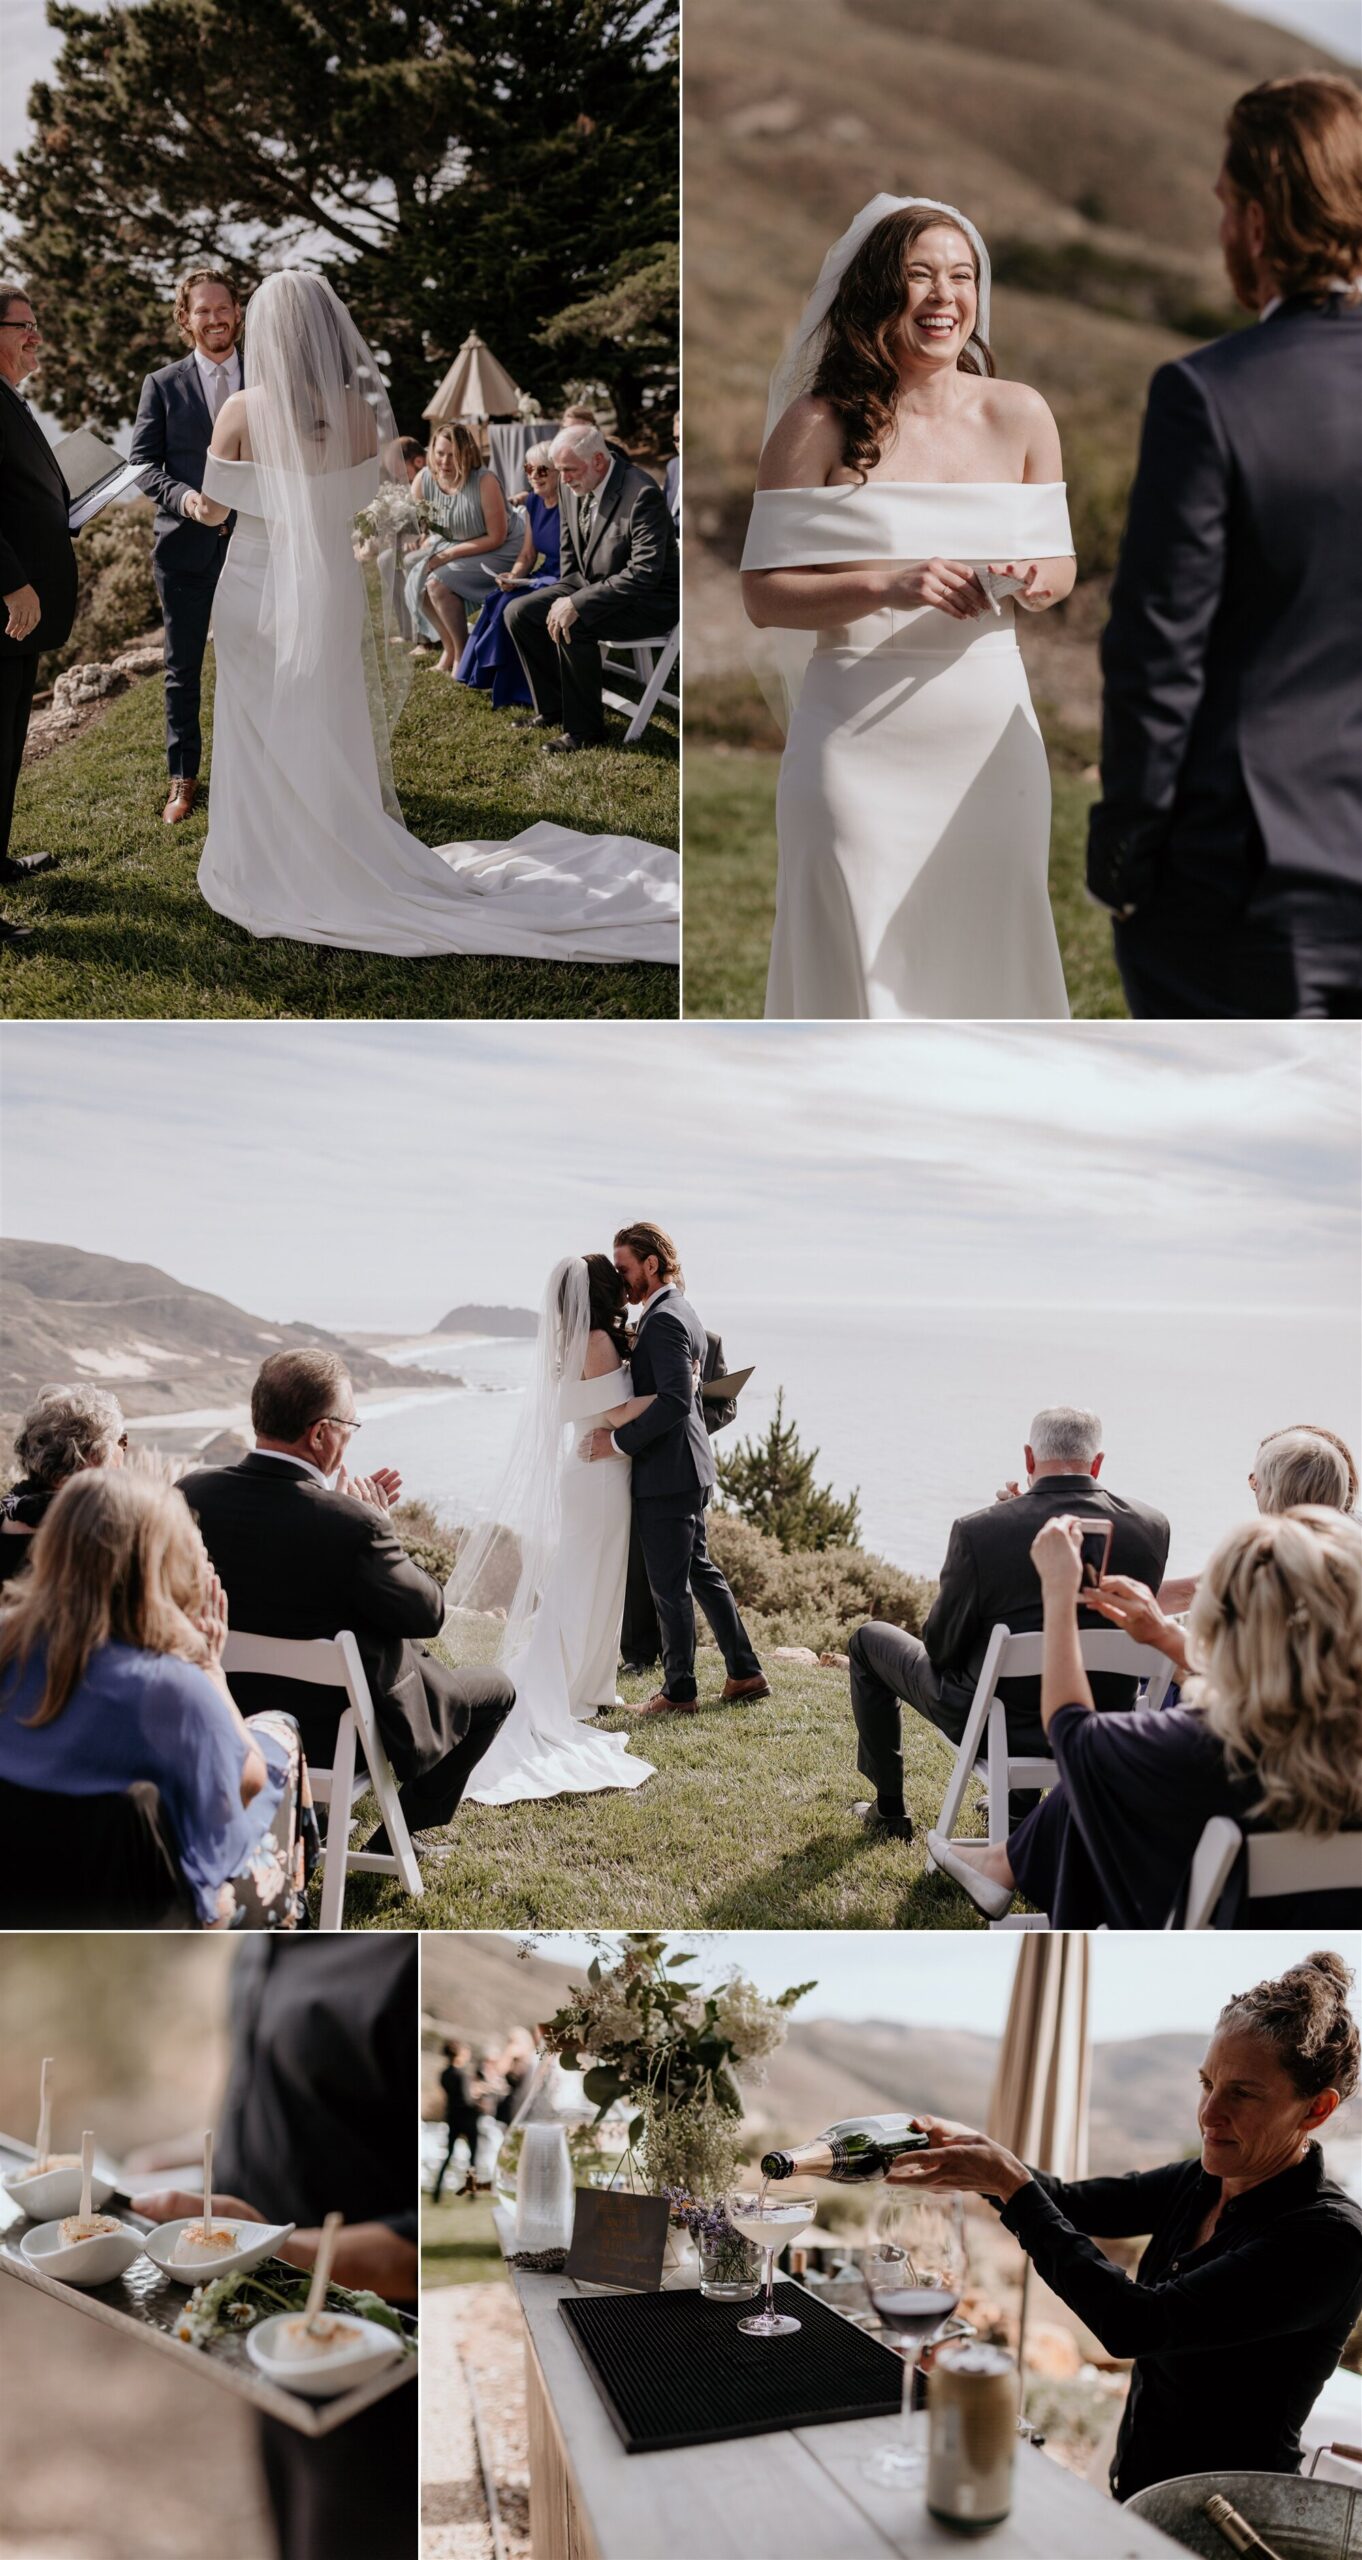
122, 930
458, 2243
746, 1825
730, 859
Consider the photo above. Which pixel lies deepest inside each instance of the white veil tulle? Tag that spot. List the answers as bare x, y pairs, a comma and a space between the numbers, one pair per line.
779, 658
528, 1501
323, 430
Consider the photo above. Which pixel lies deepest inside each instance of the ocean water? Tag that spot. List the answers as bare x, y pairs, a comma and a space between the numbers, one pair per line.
924, 1410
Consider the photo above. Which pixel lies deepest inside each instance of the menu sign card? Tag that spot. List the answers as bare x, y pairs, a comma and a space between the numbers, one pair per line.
618, 2239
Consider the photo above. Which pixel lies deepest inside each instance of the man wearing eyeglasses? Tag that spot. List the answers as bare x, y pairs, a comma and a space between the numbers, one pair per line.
37, 564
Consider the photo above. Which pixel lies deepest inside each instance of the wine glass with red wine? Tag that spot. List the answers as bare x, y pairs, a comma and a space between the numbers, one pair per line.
915, 2273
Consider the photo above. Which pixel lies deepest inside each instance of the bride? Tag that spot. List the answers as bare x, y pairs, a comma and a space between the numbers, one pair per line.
905, 497
305, 836
570, 1517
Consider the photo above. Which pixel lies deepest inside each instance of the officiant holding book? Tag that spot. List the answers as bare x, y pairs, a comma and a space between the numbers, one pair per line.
175, 419
37, 564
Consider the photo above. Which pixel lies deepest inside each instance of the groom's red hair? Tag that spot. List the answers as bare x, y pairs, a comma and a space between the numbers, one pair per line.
1295, 148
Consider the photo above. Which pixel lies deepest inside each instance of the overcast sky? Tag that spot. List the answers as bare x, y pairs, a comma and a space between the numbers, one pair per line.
943, 1978
371, 1175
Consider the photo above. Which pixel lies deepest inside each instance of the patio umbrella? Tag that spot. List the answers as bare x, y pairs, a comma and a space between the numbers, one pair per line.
1039, 2106
476, 386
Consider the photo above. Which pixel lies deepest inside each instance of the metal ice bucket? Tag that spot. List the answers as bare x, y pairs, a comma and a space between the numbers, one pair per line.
1301, 2519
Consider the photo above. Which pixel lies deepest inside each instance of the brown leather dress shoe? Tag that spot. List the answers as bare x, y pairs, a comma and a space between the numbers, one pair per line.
184, 791
757, 1687
661, 1705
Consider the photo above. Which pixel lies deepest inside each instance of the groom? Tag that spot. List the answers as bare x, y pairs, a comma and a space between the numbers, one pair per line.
1228, 837
175, 419
674, 1477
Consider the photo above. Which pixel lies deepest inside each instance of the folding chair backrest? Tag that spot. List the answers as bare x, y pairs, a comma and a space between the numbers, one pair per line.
1209, 1873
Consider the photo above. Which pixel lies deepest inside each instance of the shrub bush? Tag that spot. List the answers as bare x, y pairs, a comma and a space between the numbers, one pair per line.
813, 1597
116, 601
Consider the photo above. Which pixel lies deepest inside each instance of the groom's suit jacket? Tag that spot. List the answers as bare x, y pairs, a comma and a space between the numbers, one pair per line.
669, 1445
170, 441
35, 539
298, 1560
1232, 719
629, 556
988, 1578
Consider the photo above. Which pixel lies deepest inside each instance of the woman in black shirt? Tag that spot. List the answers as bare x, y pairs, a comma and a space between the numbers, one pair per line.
1252, 2278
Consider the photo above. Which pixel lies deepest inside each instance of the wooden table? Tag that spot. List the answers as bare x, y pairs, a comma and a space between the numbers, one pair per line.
796, 2495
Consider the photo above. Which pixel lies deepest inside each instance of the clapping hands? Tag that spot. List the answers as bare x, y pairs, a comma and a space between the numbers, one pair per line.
381, 1490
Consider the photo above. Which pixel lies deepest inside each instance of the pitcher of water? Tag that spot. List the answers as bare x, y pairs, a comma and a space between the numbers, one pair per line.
543, 2189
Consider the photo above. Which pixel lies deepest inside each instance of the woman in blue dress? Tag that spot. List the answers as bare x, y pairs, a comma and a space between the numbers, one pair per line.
475, 535
491, 659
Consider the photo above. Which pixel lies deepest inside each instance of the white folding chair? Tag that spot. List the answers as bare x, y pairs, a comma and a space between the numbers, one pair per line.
333, 1662
983, 1751
1278, 1862
649, 662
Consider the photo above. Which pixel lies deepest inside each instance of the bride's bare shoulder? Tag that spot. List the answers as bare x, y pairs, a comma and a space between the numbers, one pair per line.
602, 1355
232, 428
804, 445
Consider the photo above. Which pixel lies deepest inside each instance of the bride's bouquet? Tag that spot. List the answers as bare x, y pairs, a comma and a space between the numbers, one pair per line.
392, 518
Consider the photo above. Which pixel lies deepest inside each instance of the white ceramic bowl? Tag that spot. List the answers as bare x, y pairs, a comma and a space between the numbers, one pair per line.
252, 2241
85, 2262
53, 2193
374, 2348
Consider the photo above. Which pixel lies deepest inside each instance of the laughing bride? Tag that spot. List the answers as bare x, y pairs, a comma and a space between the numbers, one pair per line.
905, 498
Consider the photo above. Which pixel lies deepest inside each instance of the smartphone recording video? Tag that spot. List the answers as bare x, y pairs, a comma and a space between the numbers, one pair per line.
1094, 1549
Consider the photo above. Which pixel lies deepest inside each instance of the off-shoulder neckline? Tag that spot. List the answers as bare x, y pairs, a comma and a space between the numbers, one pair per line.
863, 488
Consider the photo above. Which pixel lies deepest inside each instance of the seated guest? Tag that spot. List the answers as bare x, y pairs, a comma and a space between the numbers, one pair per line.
671, 478
475, 536
1268, 1730
111, 1674
302, 1555
491, 661
988, 1580
1304, 1463
1238, 2312
404, 458
621, 580
64, 1431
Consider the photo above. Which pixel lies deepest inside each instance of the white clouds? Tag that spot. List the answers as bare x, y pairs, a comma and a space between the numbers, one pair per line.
366, 1173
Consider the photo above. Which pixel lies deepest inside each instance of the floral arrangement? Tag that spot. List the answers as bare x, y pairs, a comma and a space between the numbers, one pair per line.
391, 516
729, 2253
233, 2303
641, 2033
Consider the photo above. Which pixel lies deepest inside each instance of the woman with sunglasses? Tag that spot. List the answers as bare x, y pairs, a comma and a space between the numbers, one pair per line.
491, 661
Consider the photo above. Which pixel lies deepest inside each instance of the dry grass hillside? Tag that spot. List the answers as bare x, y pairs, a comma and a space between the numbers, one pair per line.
1082, 137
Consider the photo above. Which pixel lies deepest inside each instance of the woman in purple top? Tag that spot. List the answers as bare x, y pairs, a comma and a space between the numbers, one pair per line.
111, 1672
491, 658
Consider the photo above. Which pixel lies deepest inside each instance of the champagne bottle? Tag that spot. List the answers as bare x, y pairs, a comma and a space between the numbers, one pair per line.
852, 2154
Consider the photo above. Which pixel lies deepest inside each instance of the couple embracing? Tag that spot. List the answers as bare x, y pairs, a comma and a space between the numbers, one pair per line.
612, 1440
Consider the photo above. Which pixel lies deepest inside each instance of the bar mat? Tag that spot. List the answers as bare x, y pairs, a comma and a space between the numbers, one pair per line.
674, 2369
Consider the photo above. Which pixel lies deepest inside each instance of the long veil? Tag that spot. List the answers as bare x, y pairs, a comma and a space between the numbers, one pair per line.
778, 658
528, 1503
323, 433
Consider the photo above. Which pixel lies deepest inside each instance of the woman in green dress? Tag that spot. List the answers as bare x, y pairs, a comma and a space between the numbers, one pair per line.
475, 536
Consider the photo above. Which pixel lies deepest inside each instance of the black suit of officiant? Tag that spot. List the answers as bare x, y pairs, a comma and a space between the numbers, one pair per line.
170, 442
640, 1636
1231, 808
989, 1580
298, 1560
624, 577
35, 551
672, 1481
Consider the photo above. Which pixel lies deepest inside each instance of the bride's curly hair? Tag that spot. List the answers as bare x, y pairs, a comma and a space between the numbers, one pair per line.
858, 369
607, 1299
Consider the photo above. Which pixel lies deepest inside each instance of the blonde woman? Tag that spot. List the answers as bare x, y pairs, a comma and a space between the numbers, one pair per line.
1268, 1730
476, 536
111, 1673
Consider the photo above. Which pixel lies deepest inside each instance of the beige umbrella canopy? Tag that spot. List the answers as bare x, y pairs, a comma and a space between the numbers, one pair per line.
476, 386
1039, 2106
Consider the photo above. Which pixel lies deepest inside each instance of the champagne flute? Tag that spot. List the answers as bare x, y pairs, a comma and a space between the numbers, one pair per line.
914, 2273
772, 2221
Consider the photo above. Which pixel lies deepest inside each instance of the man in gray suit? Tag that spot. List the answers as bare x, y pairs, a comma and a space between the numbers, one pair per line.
620, 580
175, 419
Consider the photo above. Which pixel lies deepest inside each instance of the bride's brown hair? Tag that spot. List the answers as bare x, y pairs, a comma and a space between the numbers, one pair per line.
606, 1299
858, 370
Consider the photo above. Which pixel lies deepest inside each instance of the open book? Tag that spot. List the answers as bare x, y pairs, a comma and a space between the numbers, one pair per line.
719, 1390
93, 473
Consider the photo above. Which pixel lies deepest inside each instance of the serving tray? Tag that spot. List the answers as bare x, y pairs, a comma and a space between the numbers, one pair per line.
145, 2305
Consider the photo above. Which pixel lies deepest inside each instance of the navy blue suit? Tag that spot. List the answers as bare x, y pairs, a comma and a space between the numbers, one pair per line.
170, 443
673, 1479
1230, 822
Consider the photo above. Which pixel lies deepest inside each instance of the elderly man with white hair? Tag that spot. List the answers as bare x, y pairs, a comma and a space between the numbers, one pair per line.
620, 579
987, 1580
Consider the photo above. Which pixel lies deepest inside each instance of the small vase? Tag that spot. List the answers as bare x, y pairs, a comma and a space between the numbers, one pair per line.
730, 2269
680, 2263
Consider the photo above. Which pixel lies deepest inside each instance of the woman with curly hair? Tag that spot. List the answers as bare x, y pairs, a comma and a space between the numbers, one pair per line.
1250, 2283
1268, 1729
907, 499
65, 1430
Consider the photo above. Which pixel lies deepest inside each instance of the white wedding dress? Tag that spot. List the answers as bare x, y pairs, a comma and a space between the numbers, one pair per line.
567, 1669
913, 810
299, 841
